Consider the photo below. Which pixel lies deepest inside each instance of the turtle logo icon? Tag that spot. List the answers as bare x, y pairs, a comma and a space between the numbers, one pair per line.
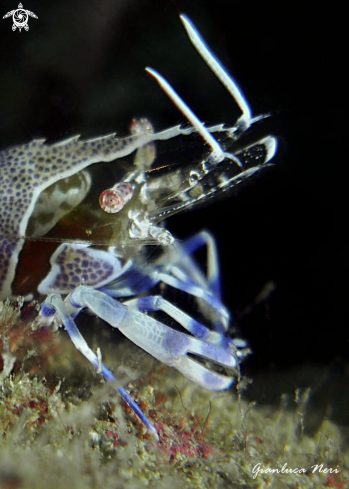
20, 18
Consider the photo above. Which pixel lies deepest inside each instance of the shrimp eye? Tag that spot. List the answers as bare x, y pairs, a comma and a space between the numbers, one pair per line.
115, 198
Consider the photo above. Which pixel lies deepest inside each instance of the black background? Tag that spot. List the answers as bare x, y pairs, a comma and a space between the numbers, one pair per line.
80, 70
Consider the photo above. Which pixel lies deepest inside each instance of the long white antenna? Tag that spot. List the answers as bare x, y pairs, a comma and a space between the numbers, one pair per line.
232, 87
217, 154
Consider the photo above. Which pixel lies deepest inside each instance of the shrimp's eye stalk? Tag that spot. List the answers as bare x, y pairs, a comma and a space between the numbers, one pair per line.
114, 199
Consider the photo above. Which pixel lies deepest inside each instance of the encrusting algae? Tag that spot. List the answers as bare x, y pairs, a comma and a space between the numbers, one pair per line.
61, 426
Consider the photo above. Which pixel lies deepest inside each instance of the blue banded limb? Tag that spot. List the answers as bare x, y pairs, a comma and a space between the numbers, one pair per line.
171, 347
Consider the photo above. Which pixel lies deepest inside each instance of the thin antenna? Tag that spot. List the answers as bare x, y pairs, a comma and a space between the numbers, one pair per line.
232, 87
217, 154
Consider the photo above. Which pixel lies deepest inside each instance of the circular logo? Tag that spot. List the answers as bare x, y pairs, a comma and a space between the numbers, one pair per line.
20, 18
